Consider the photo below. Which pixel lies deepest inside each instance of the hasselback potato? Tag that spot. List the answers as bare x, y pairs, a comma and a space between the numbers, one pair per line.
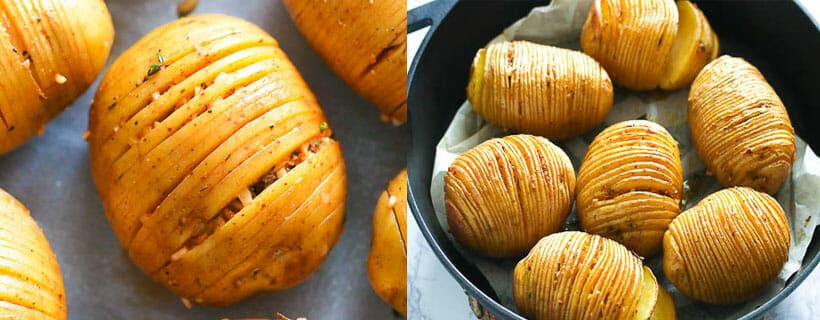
387, 261
646, 44
50, 52
740, 127
630, 185
214, 162
531, 88
364, 43
31, 286
506, 193
575, 275
728, 247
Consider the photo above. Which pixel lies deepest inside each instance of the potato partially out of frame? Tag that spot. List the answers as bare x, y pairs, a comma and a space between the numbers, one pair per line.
728, 247
31, 285
50, 52
576, 275
387, 261
536, 89
505, 194
740, 127
364, 43
647, 44
214, 162
630, 185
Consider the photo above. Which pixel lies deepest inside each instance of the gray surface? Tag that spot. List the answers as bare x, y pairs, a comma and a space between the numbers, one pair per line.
50, 175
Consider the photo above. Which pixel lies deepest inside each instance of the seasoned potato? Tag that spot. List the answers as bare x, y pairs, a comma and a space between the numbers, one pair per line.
364, 43
728, 247
575, 275
740, 127
214, 162
31, 286
506, 193
387, 262
530, 88
50, 52
646, 44
630, 185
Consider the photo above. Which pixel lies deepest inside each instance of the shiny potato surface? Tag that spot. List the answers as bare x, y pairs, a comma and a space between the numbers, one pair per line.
50, 52
387, 261
364, 43
503, 195
728, 247
31, 285
630, 185
740, 127
575, 275
536, 89
214, 162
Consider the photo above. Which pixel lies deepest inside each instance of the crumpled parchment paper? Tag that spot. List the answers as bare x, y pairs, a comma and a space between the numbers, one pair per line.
559, 24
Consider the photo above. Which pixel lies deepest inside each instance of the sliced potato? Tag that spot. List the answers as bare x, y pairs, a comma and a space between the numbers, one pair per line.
536, 89
740, 126
214, 161
31, 285
728, 247
649, 296
387, 261
576, 275
505, 194
695, 45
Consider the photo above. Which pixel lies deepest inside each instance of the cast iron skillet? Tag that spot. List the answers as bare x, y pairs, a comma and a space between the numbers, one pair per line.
777, 37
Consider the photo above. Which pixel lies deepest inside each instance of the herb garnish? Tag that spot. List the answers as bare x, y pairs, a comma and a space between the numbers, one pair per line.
322, 127
156, 67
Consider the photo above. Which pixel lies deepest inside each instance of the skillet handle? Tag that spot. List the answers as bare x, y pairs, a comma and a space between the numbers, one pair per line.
428, 14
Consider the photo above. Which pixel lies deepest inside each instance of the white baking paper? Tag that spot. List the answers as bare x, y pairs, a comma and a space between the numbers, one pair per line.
559, 24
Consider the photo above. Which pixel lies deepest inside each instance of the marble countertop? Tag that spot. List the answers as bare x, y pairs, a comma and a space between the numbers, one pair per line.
434, 294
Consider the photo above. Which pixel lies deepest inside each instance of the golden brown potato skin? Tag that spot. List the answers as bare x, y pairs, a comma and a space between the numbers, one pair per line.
364, 43
531, 88
31, 285
740, 127
630, 185
728, 247
387, 262
632, 39
695, 46
50, 52
503, 195
217, 172
575, 275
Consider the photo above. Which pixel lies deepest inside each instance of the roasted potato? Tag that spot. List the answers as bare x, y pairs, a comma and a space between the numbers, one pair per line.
728, 247
503, 195
50, 52
630, 185
646, 44
364, 43
740, 127
575, 275
214, 162
31, 286
387, 262
531, 88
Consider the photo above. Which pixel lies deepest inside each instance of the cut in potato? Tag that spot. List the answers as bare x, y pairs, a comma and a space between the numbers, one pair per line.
695, 45
649, 296
387, 261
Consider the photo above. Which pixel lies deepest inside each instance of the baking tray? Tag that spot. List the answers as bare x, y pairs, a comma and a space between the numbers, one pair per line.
776, 36
51, 176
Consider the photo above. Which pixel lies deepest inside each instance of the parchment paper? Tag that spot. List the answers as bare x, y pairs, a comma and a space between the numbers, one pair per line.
50, 175
559, 24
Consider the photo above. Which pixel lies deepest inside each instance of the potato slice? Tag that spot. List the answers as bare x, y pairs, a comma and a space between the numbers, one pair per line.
695, 45
649, 296
665, 308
